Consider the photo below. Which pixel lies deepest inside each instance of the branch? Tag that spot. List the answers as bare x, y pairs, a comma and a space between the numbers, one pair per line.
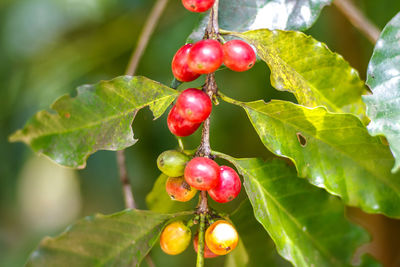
204, 149
145, 35
357, 18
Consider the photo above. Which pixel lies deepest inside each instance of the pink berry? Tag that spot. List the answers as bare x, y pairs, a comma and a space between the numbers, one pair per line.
180, 126
198, 5
180, 67
238, 55
228, 187
206, 56
202, 173
194, 105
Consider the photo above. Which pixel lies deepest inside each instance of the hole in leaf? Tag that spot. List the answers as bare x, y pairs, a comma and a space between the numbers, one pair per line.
302, 139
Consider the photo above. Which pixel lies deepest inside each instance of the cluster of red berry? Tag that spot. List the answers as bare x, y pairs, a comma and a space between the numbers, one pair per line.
185, 175
221, 182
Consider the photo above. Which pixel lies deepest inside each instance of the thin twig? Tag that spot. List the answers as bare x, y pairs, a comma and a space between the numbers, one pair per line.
126, 185
357, 18
145, 35
137, 54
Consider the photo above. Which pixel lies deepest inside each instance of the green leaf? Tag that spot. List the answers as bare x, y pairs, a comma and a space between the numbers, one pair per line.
307, 224
383, 77
308, 69
244, 15
98, 118
333, 151
256, 248
158, 199
121, 239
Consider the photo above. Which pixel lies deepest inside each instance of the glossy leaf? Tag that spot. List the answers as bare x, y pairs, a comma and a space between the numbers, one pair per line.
98, 118
121, 239
158, 199
333, 151
307, 224
308, 69
383, 107
256, 247
244, 15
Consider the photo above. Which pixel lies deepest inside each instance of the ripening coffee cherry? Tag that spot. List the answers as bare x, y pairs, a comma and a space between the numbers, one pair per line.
206, 56
202, 173
221, 237
207, 252
228, 187
178, 189
180, 67
175, 238
194, 105
198, 5
180, 126
172, 163
238, 55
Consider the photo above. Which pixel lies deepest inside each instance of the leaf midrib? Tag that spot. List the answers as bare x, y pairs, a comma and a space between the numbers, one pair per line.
98, 122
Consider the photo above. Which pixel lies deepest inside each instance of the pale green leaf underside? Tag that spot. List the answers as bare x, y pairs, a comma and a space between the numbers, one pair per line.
256, 248
98, 118
308, 69
158, 199
333, 151
383, 77
307, 225
244, 15
121, 239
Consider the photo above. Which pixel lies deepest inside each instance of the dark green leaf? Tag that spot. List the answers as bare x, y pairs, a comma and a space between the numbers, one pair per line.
308, 69
159, 200
121, 239
333, 151
99, 118
256, 247
383, 107
244, 15
307, 224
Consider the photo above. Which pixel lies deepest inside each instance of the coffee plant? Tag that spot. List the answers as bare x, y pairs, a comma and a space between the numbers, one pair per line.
338, 145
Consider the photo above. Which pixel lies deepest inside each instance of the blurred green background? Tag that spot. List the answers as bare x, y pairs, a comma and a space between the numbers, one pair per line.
49, 47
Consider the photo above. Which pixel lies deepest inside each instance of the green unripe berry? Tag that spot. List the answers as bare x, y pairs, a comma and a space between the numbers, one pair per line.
172, 163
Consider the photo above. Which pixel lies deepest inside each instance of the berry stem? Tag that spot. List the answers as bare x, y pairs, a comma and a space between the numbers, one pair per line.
202, 229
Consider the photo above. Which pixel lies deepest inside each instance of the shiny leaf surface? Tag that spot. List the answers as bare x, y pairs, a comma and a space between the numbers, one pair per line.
307, 224
244, 15
121, 239
333, 151
308, 69
98, 118
383, 107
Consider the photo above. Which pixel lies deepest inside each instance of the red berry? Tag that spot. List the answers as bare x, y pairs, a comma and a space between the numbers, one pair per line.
207, 252
202, 173
178, 189
238, 55
180, 126
228, 187
194, 105
180, 67
206, 56
198, 5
